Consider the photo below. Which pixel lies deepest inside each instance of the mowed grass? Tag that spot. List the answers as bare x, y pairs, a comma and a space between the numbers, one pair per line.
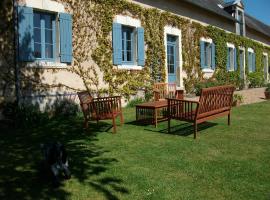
143, 162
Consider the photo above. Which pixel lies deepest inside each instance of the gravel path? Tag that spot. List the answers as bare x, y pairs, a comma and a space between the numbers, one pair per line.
253, 95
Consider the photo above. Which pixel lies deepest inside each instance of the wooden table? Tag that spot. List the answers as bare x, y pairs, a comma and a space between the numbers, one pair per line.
152, 112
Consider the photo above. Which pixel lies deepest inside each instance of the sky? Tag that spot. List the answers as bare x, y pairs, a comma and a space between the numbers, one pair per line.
260, 9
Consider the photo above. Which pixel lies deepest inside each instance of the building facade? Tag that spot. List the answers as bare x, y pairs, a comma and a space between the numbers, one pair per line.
56, 48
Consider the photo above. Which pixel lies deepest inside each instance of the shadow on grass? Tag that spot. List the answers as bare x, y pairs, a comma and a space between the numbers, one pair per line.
185, 129
22, 176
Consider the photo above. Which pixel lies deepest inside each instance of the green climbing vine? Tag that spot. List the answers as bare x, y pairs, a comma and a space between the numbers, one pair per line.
127, 82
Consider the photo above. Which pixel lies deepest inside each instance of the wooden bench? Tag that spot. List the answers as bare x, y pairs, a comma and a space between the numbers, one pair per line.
167, 90
214, 102
100, 108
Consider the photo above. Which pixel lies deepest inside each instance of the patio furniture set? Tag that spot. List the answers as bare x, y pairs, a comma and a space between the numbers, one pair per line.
168, 104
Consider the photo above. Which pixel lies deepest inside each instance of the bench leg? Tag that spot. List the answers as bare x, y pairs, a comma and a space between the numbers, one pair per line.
85, 124
114, 125
195, 129
229, 119
169, 125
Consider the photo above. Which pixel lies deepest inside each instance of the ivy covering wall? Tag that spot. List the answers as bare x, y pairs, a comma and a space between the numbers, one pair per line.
153, 21
92, 41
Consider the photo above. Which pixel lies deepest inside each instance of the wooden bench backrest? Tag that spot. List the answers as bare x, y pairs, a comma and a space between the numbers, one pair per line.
85, 98
166, 90
216, 98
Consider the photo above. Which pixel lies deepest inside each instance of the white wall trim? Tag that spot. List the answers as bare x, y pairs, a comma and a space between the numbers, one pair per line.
244, 62
230, 45
129, 67
265, 54
209, 40
208, 70
250, 50
179, 73
46, 65
48, 5
128, 21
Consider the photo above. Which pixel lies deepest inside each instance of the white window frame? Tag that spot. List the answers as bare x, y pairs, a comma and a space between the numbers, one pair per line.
47, 6
132, 22
250, 50
210, 41
267, 63
231, 46
244, 61
169, 30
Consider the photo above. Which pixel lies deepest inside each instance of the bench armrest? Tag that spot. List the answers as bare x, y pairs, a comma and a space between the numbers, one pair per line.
183, 109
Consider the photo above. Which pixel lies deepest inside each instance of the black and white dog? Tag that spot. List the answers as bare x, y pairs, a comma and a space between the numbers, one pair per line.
55, 156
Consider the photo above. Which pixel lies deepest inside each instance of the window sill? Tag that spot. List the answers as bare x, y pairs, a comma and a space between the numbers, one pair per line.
46, 65
129, 67
208, 70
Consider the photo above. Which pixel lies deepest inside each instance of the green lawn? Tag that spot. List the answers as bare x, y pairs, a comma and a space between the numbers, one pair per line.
143, 162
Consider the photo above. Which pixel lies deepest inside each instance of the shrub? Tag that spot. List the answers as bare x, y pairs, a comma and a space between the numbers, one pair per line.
23, 115
135, 102
255, 79
204, 84
65, 108
237, 99
267, 89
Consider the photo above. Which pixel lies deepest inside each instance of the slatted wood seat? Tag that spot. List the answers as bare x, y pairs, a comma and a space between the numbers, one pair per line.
167, 90
100, 108
214, 102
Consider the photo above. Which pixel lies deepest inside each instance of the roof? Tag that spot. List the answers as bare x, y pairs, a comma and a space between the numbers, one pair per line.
257, 25
212, 6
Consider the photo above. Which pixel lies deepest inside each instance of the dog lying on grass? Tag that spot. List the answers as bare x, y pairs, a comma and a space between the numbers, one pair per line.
56, 158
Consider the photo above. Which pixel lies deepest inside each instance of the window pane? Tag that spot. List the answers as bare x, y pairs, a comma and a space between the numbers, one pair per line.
128, 55
49, 51
129, 45
172, 69
37, 35
48, 21
171, 60
128, 35
48, 36
37, 20
37, 50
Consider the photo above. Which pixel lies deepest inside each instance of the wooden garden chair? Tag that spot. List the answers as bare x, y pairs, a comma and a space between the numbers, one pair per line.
95, 109
167, 90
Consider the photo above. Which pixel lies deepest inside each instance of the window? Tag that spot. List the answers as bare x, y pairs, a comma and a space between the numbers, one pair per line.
37, 36
231, 59
251, 61
44, 30
207, 55
240, 23
128, 45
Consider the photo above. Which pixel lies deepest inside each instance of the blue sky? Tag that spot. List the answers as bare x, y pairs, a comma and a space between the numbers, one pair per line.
259, 9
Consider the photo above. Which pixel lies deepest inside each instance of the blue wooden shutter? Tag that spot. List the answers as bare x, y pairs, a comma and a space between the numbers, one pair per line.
228, 59
213, 56
202, 46
140, 39
26, 33
235, 59
253, 62
117, 44
65, 25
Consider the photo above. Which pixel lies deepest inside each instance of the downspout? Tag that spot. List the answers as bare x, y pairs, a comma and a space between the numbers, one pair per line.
16, 53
